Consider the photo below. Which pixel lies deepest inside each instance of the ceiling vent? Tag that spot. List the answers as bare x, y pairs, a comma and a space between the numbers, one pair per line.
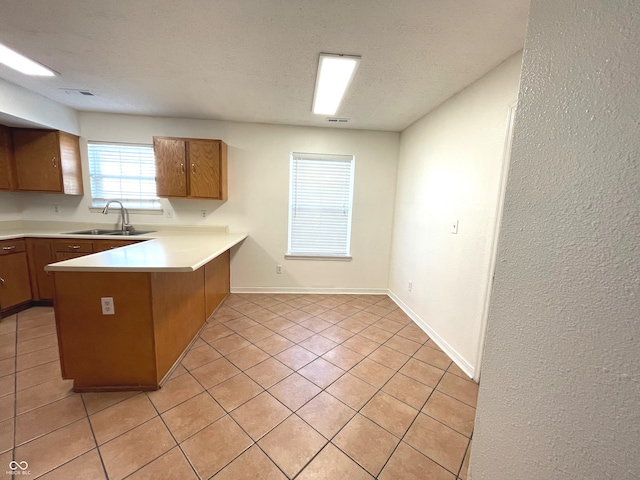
337, 120
76, 92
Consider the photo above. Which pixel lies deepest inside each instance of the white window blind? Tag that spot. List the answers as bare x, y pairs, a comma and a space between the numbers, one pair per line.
123, 172
320, 201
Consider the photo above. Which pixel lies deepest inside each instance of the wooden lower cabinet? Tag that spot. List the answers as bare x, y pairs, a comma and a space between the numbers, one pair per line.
15, 286
156, 317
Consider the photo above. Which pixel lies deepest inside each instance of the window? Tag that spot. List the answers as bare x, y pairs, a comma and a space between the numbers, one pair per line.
123, 172
320, 201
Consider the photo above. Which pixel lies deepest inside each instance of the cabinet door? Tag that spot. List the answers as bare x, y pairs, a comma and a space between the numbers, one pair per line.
14, 280
8, 179
40, 255
204, 168
37, 157
171, 167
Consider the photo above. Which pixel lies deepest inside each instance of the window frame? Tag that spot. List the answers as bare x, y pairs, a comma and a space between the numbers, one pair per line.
347, 255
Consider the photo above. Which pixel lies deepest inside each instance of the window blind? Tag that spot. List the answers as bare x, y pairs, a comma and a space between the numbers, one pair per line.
320, 202
123, 172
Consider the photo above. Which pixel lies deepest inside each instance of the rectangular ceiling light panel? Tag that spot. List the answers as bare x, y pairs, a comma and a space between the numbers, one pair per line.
334, 76
22, 64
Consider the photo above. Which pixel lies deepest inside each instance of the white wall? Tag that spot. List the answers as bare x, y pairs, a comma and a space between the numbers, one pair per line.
560, 391
259, 195
449, 169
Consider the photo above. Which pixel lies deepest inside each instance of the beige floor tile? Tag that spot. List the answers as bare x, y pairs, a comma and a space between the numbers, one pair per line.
318, 344
297, 333
213, 448
260, 414
131, 451
366, 317
214, 372
388, 357
297, 316
37, 375
281, 308
274, 344
230, 344
278, 324
241, 323
376, 334
352, 390
262, 315
215, 332
5, 458
432, 344
36, 332
252, 464
246, 308
331, 463
39, 343
353, 325
257, 333
316, 324
388, 325
422, 372
8, 325
7, 366
361, 344
7, 407
321, 372
332, 316
451, 412
414, 333
456, 370
7, 338
8, 351
269, 372
247, 357
326, 414
433, 357
192, 416
371, 454
296, 357
398, 316
343, 357
408, 390
459, 388
171, 465
402, 345
39, 395
56, 448
96, 401
391, 414
199, 356
7, 384
6, 436
294, 391
464, 469
33, 359
346, 310
177, 371
372, 372
292, 444
120, 418
440, 443
234, 392
337, 334
407, 463
176, 391
45, 419
314, 309
87, 466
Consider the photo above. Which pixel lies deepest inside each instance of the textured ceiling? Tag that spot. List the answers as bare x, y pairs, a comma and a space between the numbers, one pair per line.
255, 61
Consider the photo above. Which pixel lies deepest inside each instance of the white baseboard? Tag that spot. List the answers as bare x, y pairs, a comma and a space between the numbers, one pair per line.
446, 348
311, 290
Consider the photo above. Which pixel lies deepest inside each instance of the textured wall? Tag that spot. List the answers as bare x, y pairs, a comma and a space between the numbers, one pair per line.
560, 391
449, 168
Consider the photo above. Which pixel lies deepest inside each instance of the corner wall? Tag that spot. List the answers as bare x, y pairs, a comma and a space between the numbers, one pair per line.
449, 169
560, 391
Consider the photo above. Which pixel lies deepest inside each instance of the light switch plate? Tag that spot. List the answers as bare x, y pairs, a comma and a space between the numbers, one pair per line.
454, 226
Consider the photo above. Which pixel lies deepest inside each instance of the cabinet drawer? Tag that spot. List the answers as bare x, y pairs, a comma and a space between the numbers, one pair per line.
11, 246
72, 245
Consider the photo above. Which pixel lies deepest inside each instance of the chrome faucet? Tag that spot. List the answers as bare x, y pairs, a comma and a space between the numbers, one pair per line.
126, 226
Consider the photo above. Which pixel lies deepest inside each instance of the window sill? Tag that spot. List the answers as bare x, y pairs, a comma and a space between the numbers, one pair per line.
339, 258
144, 211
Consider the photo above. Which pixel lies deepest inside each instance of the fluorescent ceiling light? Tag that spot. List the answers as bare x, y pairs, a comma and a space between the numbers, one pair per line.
334, 76
23, 64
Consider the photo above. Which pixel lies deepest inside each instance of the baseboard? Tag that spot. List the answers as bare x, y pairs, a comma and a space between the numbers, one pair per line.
311, 290
444, 346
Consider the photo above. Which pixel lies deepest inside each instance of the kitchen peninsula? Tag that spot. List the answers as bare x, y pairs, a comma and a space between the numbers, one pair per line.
125, 316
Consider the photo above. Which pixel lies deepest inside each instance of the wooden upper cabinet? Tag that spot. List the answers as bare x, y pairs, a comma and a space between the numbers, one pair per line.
191, 167
8, 178
47, 161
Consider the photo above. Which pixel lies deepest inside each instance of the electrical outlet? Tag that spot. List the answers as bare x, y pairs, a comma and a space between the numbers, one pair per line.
107, 306
279, 269
203, 213
56, 209
168, 213
410, 286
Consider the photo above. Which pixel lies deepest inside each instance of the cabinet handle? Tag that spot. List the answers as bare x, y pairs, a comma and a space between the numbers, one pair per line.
53, 162
182, 168
2, 281
75, 247
12, 247
193, 168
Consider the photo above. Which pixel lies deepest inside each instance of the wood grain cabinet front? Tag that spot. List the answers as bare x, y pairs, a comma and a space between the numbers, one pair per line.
191, 167
71, 248
8, 177
15, 287
47, 161
40, 254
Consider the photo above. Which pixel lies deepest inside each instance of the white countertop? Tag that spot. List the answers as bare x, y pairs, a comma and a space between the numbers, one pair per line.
164, 251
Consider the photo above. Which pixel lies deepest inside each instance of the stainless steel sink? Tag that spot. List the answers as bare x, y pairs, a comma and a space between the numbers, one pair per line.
98, 231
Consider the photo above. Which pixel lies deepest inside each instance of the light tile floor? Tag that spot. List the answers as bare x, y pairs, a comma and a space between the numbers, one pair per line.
276, 387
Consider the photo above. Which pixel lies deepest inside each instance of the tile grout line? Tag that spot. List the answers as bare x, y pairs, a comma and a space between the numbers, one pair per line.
104, 467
